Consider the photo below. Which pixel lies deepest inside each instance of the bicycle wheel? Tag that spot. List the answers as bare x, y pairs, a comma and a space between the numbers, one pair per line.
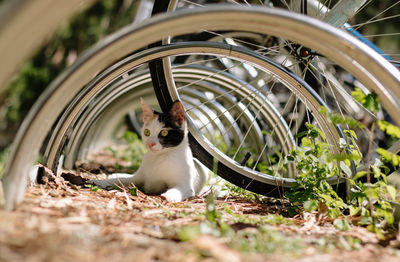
335, 93
232, 105
371, 69
98, 126
332, 83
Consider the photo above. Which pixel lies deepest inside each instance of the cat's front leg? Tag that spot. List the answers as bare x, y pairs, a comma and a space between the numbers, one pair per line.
178, 194
118, 179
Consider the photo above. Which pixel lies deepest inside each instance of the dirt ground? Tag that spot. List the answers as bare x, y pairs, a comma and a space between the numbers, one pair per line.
62, 222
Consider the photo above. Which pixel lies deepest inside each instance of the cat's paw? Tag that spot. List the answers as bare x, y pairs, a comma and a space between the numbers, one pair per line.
173, 195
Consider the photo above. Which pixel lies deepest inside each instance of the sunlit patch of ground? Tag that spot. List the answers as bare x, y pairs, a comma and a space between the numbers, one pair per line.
62, 222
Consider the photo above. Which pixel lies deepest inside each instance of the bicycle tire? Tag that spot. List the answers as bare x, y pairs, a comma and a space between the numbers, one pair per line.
118, 101
334, 86
254, 180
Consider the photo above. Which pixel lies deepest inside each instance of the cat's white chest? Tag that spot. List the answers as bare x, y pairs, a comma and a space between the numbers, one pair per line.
166, 171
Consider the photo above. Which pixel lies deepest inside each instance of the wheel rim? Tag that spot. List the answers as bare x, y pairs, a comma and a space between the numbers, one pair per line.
66, 122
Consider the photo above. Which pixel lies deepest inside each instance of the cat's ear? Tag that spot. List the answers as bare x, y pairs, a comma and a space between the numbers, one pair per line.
177, 113
148, 113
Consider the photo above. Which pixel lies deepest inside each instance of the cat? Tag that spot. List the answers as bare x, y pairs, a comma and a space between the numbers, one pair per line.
168, 167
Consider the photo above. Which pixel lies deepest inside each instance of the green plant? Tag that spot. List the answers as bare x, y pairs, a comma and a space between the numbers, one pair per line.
212, 225
258, 237
93, 188
84, 30
236, 191
315, 163
373, 198
394, 133
265, 239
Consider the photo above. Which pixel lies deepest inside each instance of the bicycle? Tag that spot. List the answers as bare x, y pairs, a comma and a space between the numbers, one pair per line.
335, 89
69, 84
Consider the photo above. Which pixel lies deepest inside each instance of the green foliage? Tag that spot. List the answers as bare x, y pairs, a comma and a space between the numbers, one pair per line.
265, 168
310, 205
25, 88
369, 101
265, 240
341, 119
212, 225
371, 200
389, 129
341, 224
315, 163
388, 157
211, 212
133, 191
188, 233
93, 188
270, 219
87, 28
236, 191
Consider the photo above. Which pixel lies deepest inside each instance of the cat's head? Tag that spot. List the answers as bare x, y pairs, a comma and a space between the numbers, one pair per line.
163, 131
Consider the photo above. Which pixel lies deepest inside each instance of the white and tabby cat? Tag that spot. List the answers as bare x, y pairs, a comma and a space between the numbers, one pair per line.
168, 167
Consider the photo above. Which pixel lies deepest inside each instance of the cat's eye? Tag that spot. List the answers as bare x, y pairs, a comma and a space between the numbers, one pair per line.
164, 132
146, 132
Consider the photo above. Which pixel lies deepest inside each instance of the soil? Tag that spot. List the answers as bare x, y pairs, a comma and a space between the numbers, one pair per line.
59, 221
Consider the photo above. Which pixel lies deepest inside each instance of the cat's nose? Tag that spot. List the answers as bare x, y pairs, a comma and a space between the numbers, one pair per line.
151, 144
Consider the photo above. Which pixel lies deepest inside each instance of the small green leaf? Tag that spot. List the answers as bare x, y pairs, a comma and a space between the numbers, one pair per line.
392, 191
365, 213
389, 128
360, 175
374, 229
341, 224
372, 102
310, 205
345, 169
323, 110
388, 157
354, 210
387, 214
133, 191
341, 119
369, 101
351, 133
265, 132
290, 158
334, 212
359, 95
93, 188
189, 232
306, 142
211, 212
365, 220
301, 134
